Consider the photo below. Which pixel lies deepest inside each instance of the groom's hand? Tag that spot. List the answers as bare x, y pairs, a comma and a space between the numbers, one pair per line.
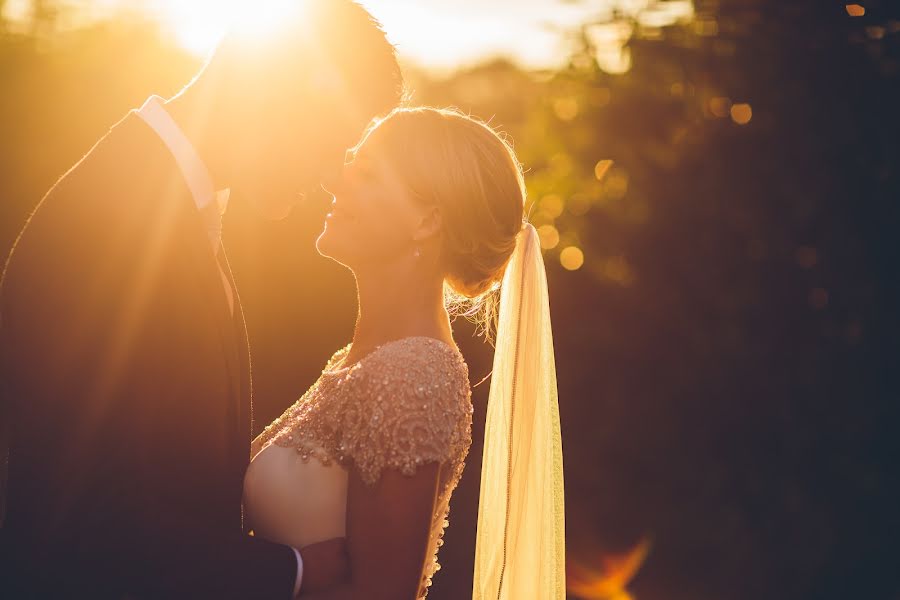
325, 564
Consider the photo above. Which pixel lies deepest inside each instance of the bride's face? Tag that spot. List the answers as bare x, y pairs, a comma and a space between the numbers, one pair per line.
374, 218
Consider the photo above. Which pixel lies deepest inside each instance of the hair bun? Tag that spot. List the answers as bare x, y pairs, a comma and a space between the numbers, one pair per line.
475, 272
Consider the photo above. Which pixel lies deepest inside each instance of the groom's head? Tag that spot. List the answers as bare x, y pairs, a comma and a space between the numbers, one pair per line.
284, 106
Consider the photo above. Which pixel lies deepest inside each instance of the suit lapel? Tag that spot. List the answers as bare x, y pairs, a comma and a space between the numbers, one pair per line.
243, 399
231, 328
242, 347
190, 171
216, 303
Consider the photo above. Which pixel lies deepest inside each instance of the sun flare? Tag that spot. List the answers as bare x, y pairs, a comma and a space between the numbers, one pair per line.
200, 24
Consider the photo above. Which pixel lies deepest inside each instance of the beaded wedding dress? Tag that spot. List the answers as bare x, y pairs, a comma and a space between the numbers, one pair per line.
406, 403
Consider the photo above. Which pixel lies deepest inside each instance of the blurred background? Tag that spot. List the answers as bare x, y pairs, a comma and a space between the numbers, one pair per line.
716, 184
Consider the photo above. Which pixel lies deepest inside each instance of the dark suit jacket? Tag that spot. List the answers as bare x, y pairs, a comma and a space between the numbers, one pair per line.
128, 382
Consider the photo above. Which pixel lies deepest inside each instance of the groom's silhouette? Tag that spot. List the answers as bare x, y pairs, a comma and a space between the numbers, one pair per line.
125, 359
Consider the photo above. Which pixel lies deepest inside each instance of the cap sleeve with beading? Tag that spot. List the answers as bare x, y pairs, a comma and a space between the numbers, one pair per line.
412, 406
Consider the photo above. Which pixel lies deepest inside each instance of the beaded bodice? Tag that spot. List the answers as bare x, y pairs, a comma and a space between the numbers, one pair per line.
406, 403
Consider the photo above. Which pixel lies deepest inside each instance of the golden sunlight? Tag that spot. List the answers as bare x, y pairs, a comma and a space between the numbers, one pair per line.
608, 577
434, 33
200, 24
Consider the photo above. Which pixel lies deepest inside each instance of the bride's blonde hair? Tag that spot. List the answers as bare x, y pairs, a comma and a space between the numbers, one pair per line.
471, 173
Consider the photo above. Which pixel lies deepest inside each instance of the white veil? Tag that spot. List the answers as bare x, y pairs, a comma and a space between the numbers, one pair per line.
520, 542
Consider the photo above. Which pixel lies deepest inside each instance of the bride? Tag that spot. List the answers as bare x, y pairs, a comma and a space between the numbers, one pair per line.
429, 211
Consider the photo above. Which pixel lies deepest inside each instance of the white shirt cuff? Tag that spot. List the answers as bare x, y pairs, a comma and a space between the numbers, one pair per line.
299, 578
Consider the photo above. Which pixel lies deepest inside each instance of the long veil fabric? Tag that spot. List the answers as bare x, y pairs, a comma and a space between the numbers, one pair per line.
520, 542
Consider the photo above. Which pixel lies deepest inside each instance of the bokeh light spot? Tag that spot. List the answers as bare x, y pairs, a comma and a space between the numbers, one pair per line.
602, 168
741, 113
571, 258
552, 205
855, 10
549, 236
566, 108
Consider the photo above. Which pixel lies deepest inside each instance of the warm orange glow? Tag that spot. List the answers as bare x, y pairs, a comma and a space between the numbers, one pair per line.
602, 168
566, 108
198, 25
552, 206
549, 236
608, 579
571, 258
741, 113
855, 10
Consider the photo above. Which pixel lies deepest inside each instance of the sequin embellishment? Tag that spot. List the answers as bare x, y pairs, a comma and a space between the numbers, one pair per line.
406, 403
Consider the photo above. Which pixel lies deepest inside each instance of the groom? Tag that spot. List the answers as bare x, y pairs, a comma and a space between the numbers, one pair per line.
124, 352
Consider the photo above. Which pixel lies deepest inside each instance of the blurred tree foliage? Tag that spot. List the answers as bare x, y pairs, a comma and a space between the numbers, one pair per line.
727, 350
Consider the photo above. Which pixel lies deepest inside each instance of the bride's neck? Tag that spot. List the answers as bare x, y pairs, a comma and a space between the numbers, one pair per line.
394, 306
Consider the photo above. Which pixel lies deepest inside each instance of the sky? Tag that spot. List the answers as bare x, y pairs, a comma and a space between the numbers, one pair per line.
436, 34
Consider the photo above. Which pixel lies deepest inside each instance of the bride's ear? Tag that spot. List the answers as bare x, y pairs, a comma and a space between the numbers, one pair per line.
429, 224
